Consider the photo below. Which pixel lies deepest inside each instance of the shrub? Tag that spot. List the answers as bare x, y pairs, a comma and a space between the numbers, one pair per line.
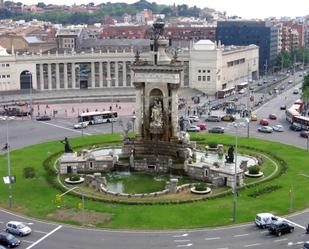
267, 189
254, 170
29, 172
201, 186
74, 178
212, 145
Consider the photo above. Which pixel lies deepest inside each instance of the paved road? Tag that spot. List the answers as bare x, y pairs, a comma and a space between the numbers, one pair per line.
50, 236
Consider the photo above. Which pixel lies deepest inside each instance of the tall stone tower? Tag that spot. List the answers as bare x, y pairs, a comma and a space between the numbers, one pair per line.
156, 83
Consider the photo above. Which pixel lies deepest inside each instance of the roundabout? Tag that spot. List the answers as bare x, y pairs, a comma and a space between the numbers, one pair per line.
186, 215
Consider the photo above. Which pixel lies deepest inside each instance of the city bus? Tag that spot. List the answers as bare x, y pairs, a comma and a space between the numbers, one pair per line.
225, 92
98, 117
240, 86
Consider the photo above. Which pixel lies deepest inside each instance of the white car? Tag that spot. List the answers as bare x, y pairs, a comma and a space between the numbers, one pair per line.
265, 129
194, 128
17, 228
81, 125
194, 118
242, 91
278, 128
264, 220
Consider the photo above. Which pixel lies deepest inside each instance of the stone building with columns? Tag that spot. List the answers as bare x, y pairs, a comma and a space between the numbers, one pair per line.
112, 69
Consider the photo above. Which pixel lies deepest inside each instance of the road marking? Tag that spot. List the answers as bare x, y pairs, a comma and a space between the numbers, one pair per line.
182, 240
299, 242
181, 235
65, 128
241, 235
44, 237
37, 231
290, 243
213, 238
223, 248
257, 244
278, 240
28, 241
187, 245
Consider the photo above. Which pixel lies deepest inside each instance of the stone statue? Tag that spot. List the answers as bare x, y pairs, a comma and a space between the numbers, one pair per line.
67, 146
156, 115
230, 155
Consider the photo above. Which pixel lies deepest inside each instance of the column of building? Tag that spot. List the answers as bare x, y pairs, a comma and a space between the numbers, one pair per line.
108, 74
101, 74
65, 75
124, 74
74, 76
116, 74
49, 75
92, 75
57, 77
41, 77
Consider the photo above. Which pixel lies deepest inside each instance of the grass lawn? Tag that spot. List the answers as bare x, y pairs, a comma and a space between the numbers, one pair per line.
35, 197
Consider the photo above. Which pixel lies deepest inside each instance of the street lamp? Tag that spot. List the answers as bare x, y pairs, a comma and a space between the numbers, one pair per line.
30, 92
236, 126
247, 120
7, 147
133, 122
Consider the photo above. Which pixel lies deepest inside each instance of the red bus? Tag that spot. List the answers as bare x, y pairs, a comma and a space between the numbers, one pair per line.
225, 92
303, 121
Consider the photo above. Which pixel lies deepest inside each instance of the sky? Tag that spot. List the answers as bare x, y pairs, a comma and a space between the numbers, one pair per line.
243, 8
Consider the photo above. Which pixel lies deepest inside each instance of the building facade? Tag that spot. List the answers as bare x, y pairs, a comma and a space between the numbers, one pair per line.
224, 67
112, 69
244, 33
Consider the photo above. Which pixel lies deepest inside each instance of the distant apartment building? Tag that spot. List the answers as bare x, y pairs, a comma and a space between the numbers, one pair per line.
124, 32
143, 17
70, 38
195, 33
300, 28
290, 38
307, 36
260, 33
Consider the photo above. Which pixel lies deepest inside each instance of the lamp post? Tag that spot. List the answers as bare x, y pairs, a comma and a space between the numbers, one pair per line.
7, 147
248, 127
133, 122
236, 126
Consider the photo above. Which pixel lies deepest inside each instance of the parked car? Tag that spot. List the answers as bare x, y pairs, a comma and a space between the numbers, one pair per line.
283, 107
295, 127
212, 119
280, 227
304, 134
253, 117
17, 228
202, 127
296, 91
242, 91
8, 240
80, 125
278, 128
194, 118
260, 84
43, 118
282, 88
216, 129
230, 118
265, 129
193, 128
264, 121
272, 116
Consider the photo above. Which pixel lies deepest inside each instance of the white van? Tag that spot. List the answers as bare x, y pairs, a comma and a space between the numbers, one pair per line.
264, 220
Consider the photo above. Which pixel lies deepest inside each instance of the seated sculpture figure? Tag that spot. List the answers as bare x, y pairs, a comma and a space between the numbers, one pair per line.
230, 155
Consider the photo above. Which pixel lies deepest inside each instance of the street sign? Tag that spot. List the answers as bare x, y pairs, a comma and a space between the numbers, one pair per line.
9, 179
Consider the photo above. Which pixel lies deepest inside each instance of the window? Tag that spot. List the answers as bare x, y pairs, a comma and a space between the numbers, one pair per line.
199, 78
7, 65
208, 71
90, 165
204, 78
204, 71
199, 71
8, 76
208, 78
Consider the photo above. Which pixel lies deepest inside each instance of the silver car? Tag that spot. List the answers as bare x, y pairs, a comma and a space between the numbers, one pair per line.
18, 228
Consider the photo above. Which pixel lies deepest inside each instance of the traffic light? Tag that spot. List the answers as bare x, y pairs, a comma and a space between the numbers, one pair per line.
58, 197
80, 205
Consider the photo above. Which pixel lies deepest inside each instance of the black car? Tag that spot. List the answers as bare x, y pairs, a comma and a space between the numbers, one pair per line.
280, 228
295, 127
43, 118
216, 129
8, 240
283, 107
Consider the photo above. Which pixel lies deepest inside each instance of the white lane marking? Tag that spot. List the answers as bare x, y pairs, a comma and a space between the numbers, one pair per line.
44, 237
290, 243
37, 231
241, 235
28, 241
187, 245
223, 248
295, 224
65, 128
213, 238
181, 235
182, 240
299, 242
256, 244
278, 240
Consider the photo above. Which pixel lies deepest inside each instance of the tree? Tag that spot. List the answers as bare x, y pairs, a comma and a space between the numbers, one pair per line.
40, 5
